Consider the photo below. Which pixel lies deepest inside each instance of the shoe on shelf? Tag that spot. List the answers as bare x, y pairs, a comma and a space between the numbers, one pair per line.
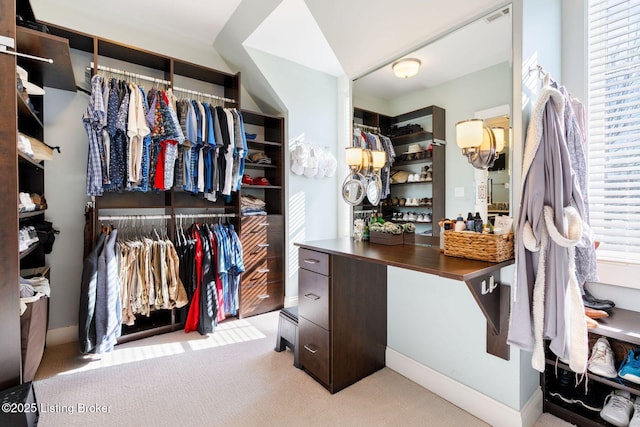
564, 388
595, 314
591, 324
630, 367
592, 396
617, 408
635, 420
601, 361
595, 303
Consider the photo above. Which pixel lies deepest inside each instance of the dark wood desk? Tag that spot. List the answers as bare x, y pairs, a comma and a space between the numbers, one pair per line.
343, 303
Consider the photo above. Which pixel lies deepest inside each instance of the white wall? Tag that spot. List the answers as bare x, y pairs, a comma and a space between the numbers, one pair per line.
436, 322
311, 99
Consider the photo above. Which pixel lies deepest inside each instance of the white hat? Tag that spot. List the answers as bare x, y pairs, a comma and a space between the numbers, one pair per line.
414, 148
31, 88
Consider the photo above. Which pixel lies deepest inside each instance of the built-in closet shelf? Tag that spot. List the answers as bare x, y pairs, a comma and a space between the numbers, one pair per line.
23, 215
412, 138
58, 74
410, 183
623, 325
28, 250
268, 187
255, 141
617, 382
27, 118
260, 166
136, 55
412, 162
37, 271
23, 158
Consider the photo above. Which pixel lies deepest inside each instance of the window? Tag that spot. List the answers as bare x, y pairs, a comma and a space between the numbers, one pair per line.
614, 127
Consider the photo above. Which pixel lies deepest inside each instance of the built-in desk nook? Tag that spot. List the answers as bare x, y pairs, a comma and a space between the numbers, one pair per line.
343, 303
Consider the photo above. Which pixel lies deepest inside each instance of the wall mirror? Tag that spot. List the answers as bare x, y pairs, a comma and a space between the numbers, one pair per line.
465, 70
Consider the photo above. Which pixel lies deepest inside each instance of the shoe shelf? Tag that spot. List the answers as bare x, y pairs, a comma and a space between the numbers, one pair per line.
422, 136
618, 383
424, 161
27, 251
259, 166
623, 325
412, 182
23, 215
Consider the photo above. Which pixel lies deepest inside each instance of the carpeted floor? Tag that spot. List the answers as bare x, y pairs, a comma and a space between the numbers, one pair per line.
231, 378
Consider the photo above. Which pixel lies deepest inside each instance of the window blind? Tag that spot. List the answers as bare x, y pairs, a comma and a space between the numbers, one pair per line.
614, 127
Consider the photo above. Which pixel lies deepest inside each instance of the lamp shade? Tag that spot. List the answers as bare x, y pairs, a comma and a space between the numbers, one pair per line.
354, 156
469, 133
405, 68
379, 158
498, 134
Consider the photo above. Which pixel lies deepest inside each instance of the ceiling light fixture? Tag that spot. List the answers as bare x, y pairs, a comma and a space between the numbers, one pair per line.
405, 68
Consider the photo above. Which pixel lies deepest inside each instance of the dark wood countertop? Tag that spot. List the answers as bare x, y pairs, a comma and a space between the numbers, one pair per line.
413, 257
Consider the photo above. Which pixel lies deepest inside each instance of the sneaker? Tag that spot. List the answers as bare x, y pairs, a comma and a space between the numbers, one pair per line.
635, 420
564, 388
592, 396
601, 360
617, 408
630, 367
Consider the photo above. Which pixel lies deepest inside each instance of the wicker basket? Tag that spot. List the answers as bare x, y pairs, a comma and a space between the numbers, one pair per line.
483, 247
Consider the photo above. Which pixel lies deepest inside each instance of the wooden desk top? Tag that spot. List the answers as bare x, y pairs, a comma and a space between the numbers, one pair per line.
413, 257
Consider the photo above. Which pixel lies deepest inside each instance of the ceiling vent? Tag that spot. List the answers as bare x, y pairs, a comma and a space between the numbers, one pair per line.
497, 15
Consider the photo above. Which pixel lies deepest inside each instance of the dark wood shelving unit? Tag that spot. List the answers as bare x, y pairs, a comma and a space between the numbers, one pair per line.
436, 161
262, 285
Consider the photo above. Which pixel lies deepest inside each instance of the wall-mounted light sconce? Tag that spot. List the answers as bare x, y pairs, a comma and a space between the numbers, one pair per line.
364, 178
405, 68
479, 144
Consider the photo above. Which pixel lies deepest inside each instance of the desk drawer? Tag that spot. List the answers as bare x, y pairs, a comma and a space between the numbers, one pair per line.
313, 297
314, 261
314, 349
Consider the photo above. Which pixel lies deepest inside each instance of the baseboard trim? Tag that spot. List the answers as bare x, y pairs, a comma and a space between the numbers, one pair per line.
62, 335
479, 405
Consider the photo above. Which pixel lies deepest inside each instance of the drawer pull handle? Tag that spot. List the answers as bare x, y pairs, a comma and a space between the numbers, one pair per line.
260, 246
263, 296
309, 349
312, 297
311, 261
264, 224
263, 270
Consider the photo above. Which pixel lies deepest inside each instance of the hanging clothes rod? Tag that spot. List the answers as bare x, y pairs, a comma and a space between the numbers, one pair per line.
129, 74
132, 217
3, 49
358, 125
205, 215
207, 95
